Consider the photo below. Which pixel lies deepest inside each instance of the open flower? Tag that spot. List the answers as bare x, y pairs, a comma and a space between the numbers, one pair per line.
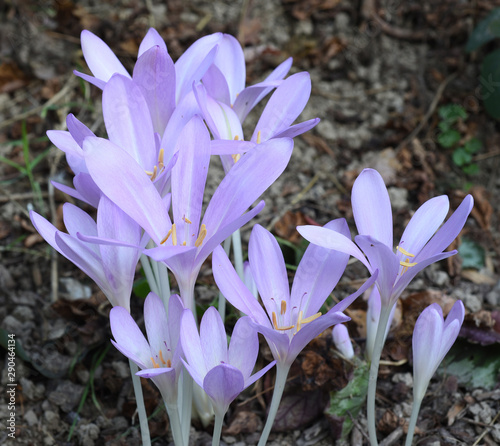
432, 339
420, 244
221, 371
160, 358
290, 320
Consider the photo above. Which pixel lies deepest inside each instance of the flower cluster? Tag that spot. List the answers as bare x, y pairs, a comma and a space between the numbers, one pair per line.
147, 180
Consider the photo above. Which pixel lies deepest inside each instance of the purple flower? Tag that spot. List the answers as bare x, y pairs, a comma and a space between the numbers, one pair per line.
290, 320
111, 267
342, 341
221, 371
419, 246
432, 339
160, 358
183, 243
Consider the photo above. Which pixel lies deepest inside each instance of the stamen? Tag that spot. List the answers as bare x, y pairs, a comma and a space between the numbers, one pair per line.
160, 159
236, 138
166, 237
187, 220
406, 264
174, 235
201, 236
404, 251
283, 307
152, 174
275, 323
155, 364
236, 157
184, 243
258, 137
161, 358
169, 363
301, 321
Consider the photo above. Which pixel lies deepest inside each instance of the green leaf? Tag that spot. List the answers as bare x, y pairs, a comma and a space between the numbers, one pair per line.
473, 145
461, 157
474, 365
444, 126
490, 83
141, 288
485, 31
472, 254
452, 112
471, 169
347, 402
449, 138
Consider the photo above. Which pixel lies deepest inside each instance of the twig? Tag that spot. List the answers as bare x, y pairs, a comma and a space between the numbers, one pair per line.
429, 113
486, 429
19, 196
393, 437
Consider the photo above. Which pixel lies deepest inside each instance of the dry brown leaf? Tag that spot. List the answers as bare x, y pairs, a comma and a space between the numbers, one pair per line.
477, 277
455, 411
286, 226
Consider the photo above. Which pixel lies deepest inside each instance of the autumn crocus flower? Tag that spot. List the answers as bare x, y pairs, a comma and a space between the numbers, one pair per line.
186, 240
221, 371
111, 267
433, 337
342, 341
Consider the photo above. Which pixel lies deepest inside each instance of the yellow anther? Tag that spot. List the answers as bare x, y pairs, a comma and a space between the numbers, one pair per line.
283, 307
174, 235
169, 363
166, 237
236, 138
407, 264
152, 174
161, 358
184, 243
201, 236
301, 321
236, 157
187, 220
275, 323
404, 251
160, 159
258, 137
155, 364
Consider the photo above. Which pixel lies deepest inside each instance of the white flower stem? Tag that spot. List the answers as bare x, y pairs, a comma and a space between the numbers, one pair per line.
413, 421
164, 282
186, 396
372, 382
222, 299
219, 419
141, 409
238, 253
175, 424
146, 266
279, 387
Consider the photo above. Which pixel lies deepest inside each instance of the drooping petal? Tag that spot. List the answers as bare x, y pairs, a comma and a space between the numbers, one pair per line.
128, 336
100, 58
449, 231
213, 339
244, 347
332, 240
128, 120
151, 39
371, 207
318, 272
120, 177
154, 73
284, 106
223, 384
268, 269
424, 223
233, 289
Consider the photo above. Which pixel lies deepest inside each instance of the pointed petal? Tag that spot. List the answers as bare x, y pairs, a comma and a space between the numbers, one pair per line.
257, 375
223, 384
90, 79
154, 73
78, 130
213, 339
279, 343
234, 290
100, 58
191, 344
318, 273
298, 129
371, 207
215, 83
332, 240
230, 147
76, 220
87, 188
151, 39
424, 223
155, 319
128, 121
120, 177
244, 347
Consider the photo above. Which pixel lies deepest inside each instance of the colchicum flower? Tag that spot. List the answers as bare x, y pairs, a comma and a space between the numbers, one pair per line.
342, 341
419, 246
221, 371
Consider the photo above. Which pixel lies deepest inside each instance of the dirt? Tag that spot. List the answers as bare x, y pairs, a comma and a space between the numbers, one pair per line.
380, 70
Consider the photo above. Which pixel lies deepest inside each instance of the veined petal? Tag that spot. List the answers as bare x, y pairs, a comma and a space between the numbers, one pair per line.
298, 129
449, 231
371, 207
76, 220
244, 347
383, 259
128, 337
284, 106
223, 384
128, 120
278, 342
424, 223
120, 177
230, 147
191, 344
234, 290
332, 240
246, 181
213, 339
64, 141
100, 58
154, 73
175, 309
77, 129
188, 179
216, 84
268, 269
74, 193
318, 273
151, 39
87, 188
155, 319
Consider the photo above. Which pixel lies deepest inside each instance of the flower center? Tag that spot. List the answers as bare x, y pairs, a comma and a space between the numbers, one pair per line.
405, 263
158, 169
160, 362
173, 232
300, 318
